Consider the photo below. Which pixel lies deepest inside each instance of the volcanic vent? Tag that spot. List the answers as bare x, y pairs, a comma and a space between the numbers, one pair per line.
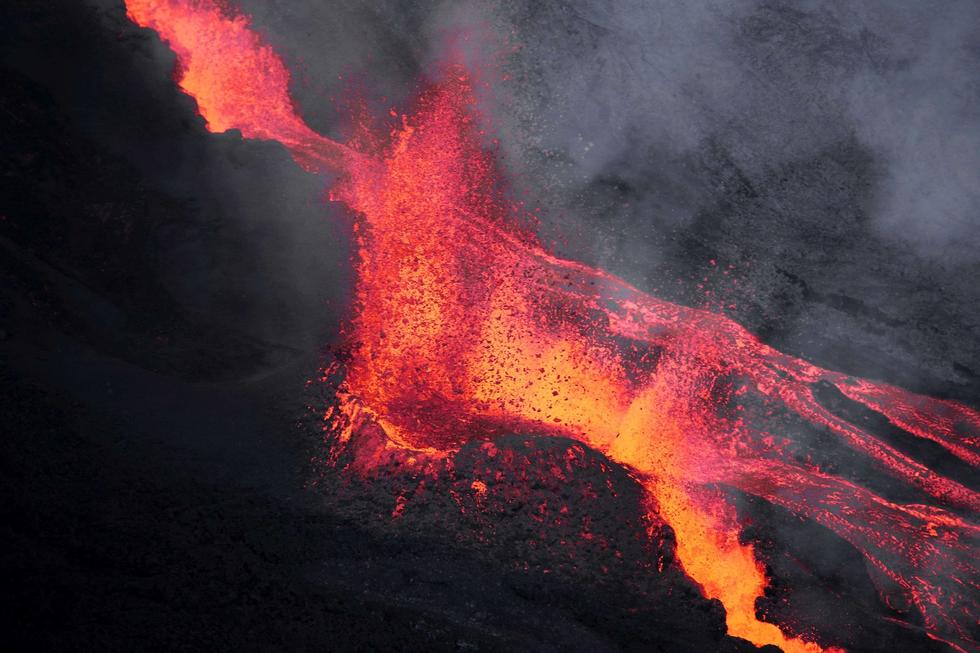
466, 330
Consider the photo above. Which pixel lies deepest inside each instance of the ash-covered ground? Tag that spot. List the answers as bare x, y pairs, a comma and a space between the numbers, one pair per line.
166, 293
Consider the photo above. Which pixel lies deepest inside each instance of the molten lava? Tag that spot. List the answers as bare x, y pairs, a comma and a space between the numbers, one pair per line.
465, 328
237, 79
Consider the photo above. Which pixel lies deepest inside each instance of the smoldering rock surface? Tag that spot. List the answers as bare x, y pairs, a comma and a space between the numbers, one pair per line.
166, 292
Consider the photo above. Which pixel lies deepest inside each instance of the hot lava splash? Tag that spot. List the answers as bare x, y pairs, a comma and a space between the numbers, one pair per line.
466, 328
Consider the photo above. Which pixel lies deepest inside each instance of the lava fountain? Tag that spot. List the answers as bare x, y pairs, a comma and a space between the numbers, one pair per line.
465, 328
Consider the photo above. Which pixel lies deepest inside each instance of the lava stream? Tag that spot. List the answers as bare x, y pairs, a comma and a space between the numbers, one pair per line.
466, 328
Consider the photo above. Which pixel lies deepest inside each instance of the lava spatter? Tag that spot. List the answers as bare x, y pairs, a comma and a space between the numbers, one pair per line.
466, 328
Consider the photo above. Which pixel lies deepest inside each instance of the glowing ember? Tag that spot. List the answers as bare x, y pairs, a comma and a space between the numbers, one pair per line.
466, 328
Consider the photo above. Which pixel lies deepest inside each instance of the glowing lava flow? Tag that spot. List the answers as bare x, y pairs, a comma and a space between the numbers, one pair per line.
237, 79
466, 328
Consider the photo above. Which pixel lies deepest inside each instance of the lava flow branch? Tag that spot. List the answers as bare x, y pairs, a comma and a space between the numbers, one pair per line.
465, 328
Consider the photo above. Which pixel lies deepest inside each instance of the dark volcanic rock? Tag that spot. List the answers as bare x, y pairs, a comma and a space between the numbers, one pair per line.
565, 526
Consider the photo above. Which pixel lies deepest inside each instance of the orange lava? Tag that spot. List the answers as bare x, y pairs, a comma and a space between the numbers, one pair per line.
465, 327
239, 82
